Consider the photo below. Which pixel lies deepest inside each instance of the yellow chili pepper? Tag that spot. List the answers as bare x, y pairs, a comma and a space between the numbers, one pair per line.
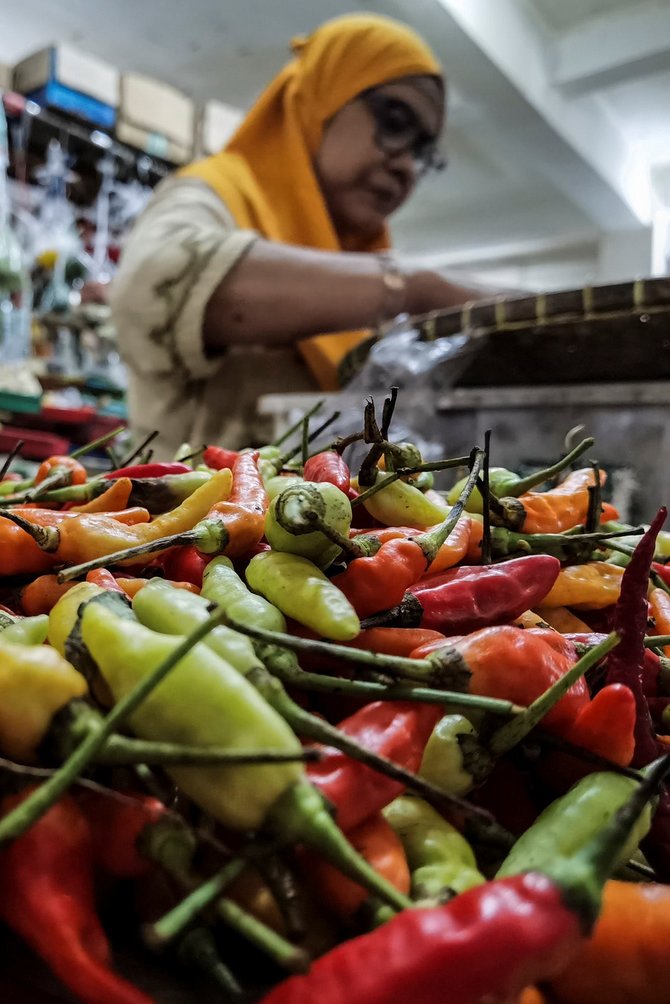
35, 682
401, 504
443, 762
92, 535
562, 620
591, 586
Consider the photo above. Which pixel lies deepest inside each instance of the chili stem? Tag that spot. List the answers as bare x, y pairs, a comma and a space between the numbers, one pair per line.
286, 955
651, 641
539, 477
311, 437
95, 443
14, 452
119, 751
41, 799
198, 949
435, 465
486, 498
296, 425
431, 542
446, 664
511, 734
136, 452
127, 554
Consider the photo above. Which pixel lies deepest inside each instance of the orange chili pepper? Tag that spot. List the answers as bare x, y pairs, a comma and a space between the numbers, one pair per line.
380, 581
132, 586
380, 846
40, 595
116, 497
395, 640
625, 961
76, 472
450, 553
84, 537
563, 507
243, 513
659, 606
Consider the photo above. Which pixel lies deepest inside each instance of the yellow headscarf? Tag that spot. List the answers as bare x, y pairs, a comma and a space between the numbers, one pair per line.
265, 175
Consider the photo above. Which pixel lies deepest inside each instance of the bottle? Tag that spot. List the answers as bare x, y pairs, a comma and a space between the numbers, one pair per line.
15, 287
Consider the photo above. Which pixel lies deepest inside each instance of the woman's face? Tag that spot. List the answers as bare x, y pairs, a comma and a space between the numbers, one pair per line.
374, 150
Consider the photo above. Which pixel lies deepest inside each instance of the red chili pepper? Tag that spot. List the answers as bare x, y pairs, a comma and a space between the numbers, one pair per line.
485, 944
70, 466
626, 663
183, 564
330, 467
46, 896
116, 820
381, 580
103, 577
516, 665
662, 570
473, 596
217, 457
157, 470
396, 730
606, 725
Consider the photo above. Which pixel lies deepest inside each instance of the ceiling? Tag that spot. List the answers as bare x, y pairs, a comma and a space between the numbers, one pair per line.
559, 108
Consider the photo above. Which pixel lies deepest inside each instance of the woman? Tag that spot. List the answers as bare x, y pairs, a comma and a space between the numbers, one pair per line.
243, 260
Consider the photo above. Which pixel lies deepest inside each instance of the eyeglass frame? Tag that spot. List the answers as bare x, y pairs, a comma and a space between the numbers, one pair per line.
435, 161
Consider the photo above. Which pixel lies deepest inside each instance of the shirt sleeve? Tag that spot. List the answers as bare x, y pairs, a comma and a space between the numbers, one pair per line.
181, 247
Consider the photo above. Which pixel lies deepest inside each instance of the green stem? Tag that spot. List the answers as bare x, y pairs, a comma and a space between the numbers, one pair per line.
95, 443
136, 452
286, 955
120, 751
300, 815
539, 477
13, 453
512, 733
284, 460
445, 667
437, 465
319, 683
127, 554
431, 542
198, 950
651, 641
306, 724
41, 799
297, 425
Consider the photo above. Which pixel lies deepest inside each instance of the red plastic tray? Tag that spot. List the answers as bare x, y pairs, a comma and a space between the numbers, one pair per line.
37, 445
68, 416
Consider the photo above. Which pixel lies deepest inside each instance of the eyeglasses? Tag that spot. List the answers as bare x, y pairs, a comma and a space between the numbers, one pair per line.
398, 128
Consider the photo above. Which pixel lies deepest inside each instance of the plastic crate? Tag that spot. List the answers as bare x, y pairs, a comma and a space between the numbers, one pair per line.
36, 445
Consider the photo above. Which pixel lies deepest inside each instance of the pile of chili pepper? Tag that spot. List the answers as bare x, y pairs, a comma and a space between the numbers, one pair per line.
408, 744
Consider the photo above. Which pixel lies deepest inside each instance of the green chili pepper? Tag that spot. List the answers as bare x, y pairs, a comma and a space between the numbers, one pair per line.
162, 607
26, 630
440, 859
453, 758
293, 513
274, 486
203, 701
222, 585
401, 504
303, 592
572, 820
269, 462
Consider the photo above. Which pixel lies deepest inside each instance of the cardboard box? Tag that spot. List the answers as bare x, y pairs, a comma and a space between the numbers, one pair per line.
218, 122
75, 70
157, 108
152, 143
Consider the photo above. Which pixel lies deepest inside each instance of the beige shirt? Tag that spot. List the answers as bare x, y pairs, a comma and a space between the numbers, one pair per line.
179, 250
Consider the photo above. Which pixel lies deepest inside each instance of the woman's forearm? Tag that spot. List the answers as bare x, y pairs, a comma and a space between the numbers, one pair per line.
278, 293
